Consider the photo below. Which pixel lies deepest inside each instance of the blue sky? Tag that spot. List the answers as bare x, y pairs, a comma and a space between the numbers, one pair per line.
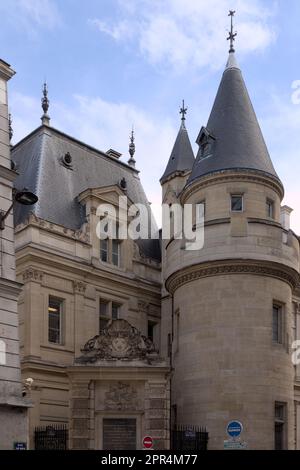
111, 64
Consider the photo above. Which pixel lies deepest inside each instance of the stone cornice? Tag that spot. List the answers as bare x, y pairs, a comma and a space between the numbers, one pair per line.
232, 266
7, 173
10, 288
81, 235
226, 176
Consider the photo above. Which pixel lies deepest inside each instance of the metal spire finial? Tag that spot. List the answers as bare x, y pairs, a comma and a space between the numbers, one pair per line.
45, 105
131, 160
10, 129
232, 35
183, 112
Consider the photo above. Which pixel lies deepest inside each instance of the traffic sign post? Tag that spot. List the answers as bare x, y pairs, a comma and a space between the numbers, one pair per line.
147, 442
20, 446
234, 429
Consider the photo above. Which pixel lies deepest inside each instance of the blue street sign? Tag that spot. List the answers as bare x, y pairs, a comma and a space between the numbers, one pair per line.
20, 446
234, 429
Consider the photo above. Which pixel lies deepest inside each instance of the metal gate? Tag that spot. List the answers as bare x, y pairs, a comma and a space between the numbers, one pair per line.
189, 438
54, 437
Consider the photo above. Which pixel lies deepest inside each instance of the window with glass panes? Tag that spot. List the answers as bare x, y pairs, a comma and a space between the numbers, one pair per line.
55, 310
104, 314
237, 203
280, 426
270, 208
110, 249
107, 311
277, 324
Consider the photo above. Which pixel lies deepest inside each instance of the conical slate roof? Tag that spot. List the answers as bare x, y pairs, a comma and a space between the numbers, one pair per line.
233, 134
182, 157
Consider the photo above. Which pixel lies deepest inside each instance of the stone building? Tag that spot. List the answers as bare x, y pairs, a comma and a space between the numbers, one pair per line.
232, 308
13, 408
74, 285
131, 338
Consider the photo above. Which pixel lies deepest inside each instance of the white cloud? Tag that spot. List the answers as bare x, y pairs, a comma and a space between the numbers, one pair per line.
190, 33
281, 128
31, 14
118, 31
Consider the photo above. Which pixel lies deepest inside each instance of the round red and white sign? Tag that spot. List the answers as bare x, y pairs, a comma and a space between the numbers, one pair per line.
147, 442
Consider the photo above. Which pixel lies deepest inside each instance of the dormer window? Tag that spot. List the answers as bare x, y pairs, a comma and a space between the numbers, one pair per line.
205, 141
110, 248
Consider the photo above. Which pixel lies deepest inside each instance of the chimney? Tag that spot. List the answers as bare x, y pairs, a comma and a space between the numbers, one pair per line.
285, 217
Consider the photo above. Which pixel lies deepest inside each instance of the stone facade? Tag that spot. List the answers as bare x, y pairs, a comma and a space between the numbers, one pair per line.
212, 357
112, 381
13, 409
226, 366
63, 263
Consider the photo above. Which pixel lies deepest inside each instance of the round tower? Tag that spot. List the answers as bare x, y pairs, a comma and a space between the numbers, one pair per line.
231, 302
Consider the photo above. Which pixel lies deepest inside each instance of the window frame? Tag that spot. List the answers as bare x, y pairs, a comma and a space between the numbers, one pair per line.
61, 304
237, 195
279, 339
280, 421
270, 208
109, 316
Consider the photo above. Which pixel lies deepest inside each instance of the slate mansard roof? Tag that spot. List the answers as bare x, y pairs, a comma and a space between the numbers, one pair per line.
38, 160
235, 136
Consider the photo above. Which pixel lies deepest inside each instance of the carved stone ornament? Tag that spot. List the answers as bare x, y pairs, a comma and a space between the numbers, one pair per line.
79, 287
118, 341
32, 275
261, 268
120, 396
143, 306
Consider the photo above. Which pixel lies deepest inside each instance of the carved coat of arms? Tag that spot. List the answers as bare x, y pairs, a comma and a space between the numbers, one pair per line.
121, 396
119, 340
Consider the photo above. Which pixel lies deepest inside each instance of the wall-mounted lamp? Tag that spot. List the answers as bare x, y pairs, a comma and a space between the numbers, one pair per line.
24, 197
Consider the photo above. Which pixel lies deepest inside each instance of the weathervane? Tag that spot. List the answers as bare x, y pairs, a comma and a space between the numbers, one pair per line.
183, 112
232, 35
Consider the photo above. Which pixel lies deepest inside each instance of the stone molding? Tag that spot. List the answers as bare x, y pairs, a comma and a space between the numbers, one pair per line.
216, 268
225, 176
143, 306
81, 235
79, 287
33, 275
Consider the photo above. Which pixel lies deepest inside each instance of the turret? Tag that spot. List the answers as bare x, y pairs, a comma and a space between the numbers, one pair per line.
231, 301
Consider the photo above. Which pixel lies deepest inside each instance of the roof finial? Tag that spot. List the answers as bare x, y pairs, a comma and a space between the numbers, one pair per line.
131, 160
183, 112
10, 129
232, 35
45, 105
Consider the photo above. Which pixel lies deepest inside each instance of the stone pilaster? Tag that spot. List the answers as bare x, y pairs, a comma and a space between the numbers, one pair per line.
80, 396
157, 413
